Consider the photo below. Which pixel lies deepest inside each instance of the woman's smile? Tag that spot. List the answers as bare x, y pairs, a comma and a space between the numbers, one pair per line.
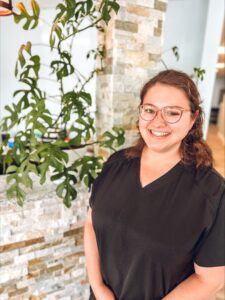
158, 133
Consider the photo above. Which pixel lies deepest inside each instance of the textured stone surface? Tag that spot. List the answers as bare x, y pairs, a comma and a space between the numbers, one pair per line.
138, 10
160, 5
126, 26
133, 48
41, 246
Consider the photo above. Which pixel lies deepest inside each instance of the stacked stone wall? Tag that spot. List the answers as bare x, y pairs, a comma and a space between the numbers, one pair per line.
133, 44
41, 246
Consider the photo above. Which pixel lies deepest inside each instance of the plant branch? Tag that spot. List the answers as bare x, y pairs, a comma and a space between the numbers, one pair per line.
80, 30
57, 119
88, 79
164, 64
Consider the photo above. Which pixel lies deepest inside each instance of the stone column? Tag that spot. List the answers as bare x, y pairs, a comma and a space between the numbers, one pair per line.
133, 42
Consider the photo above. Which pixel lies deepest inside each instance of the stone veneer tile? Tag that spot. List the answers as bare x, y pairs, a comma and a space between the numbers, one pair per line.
34, 241
23, 258
13, 246
34, 262
71, 232
156, 15
18, 292
138, 10
157, 31
159, 5
126, 26
49, 245
54, 268
160, 24
154, 57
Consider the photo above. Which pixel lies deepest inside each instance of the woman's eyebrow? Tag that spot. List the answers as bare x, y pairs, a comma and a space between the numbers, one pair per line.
170, 106
149, 104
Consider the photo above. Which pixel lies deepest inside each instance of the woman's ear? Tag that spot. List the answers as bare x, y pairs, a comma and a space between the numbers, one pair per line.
195, 116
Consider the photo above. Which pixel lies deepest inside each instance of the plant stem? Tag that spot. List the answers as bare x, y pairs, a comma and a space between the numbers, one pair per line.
87, 80
164, 64
80, 30
57, 119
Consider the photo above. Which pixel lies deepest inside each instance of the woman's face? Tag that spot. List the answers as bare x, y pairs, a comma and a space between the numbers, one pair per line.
159, 135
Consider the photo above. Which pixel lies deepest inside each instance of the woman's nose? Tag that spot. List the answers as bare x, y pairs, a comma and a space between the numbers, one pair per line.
158, 119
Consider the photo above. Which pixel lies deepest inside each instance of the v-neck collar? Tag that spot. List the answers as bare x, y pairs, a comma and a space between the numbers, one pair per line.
160, 180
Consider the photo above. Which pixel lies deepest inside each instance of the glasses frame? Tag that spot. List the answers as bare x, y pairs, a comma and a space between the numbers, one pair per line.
141, 106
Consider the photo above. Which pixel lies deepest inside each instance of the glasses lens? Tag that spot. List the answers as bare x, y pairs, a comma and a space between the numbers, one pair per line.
171, 115
147, 112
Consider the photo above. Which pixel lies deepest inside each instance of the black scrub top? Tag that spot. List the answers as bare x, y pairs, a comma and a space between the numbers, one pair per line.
149, 237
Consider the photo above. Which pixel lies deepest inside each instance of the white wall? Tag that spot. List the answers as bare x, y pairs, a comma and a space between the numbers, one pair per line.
195, 26
214, 26
185, 28
12, 36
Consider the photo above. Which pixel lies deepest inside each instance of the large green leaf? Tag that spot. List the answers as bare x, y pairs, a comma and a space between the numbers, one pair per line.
66, 189
113, 139
63, 67
31, 21
88, 167
106, 7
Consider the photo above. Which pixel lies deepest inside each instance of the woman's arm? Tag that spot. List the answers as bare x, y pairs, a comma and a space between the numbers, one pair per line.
101, 291
202, 285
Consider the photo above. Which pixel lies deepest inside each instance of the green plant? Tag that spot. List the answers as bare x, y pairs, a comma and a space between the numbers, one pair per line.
32, 154
198, 73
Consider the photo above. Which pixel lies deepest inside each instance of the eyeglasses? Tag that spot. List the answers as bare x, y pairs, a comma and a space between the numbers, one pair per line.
170, 114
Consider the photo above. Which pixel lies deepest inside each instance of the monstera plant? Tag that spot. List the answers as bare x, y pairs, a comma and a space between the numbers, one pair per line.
34, 151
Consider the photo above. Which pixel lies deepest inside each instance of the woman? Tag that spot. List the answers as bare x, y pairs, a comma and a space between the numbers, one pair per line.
155, 227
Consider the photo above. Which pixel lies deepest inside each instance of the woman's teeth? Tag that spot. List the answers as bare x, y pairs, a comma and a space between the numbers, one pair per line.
159, 133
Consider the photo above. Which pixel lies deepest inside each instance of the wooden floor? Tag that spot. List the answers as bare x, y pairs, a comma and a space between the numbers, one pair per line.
218, 148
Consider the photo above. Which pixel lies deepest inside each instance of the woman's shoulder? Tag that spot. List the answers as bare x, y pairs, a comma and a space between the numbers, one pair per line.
118, 156
210, 182
209, 178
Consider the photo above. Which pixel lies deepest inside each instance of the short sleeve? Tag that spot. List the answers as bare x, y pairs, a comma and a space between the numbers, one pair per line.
211, 252
97, 183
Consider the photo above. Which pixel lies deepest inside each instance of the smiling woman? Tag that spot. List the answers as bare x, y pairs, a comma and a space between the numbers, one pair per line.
164, 131
155, 227
173, 89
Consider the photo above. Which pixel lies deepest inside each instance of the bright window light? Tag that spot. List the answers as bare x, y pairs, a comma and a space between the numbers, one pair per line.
220, 65
221, 50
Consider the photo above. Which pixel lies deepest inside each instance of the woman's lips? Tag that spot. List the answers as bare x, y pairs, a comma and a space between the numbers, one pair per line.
159, 133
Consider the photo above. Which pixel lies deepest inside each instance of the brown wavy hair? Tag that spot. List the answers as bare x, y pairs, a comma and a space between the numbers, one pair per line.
194, 150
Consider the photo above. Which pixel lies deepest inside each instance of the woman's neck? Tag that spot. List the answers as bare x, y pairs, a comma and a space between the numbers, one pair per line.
150, 157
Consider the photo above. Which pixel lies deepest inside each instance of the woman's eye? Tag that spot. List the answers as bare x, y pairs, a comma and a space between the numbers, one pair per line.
172, 113
149, 110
